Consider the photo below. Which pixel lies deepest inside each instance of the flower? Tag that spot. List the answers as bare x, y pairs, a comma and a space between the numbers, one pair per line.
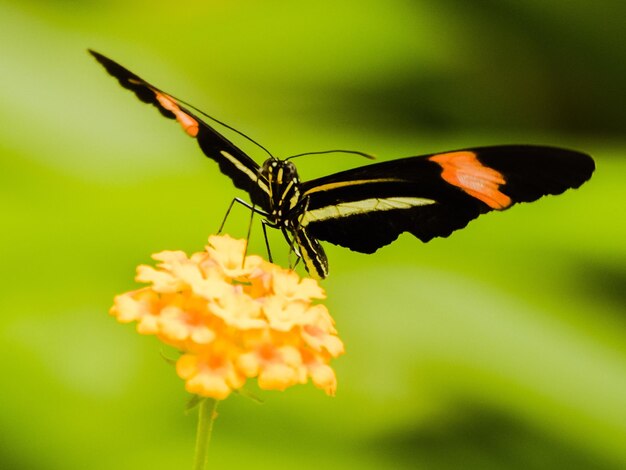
234, 318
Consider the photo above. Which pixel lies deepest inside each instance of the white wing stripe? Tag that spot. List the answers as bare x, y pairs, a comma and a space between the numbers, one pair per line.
256, 178
346, 209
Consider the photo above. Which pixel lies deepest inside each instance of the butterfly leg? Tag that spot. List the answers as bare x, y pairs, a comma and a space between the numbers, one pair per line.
245, 252
253, 210
245, 204
293, 248
308, 249
267, 243
295, 265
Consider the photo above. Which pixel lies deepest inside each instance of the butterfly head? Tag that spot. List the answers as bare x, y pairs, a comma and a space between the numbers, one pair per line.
279, 172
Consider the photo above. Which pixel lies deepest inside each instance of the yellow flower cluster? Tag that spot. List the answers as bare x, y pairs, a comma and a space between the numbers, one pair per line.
234, 319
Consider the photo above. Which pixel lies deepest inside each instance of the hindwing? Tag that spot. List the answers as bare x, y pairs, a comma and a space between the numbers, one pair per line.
433, 195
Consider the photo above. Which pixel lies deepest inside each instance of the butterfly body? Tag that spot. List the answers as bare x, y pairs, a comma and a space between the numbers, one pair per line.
284, 194
368, 207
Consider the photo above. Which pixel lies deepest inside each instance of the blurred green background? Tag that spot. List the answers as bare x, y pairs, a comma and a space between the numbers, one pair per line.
502, 347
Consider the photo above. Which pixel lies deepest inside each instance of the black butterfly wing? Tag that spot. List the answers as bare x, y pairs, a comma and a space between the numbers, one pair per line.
433, 195
233, 162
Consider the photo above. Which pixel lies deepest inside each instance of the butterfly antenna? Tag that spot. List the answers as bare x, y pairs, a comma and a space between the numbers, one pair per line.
222, 123
354, 152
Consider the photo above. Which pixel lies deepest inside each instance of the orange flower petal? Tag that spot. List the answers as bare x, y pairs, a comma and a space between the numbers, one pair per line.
317, 339
239, 310
283, 315
324, 377
287, 284
162, 281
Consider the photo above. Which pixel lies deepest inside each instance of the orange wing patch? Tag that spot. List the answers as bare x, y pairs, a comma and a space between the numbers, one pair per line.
462, 169
189, 124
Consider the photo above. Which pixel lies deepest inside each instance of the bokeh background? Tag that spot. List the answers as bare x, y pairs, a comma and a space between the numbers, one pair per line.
502, 347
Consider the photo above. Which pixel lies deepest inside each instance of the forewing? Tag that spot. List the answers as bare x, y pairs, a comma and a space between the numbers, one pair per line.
233, 162
434, 195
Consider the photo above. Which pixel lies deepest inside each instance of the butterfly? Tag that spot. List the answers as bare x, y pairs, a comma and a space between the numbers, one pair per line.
368, 207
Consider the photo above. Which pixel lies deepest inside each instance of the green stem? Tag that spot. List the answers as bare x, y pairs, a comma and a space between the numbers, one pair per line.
206, 415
